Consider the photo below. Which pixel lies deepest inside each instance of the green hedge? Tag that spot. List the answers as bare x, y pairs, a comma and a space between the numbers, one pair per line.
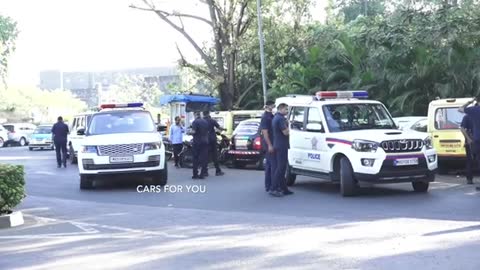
12, 186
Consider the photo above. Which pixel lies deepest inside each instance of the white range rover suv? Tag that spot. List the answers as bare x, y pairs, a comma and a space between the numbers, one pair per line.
342, 137
121, 139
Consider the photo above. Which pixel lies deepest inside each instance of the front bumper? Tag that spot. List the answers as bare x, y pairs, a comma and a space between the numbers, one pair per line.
399, 174
36, 144
93, 164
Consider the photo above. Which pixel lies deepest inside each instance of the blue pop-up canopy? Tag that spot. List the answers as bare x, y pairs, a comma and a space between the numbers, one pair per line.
167, 99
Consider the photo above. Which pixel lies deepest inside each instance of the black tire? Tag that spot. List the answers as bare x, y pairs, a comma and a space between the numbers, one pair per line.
443, 168
421, 187
261, 163
71, 155
162, 176
348, 184
186, 158
30, 148
86, 182
22, 141
291, 177
2, 142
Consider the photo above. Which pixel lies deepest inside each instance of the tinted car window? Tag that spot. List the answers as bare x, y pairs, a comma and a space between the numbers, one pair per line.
10, 128
247, 128
298, 116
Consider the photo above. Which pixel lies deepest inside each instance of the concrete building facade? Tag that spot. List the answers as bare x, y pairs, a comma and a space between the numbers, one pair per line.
89, 86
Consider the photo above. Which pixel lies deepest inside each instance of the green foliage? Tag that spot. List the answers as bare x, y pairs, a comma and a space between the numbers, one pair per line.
134, 88
12, 186
8, 35
27, 103
404, 58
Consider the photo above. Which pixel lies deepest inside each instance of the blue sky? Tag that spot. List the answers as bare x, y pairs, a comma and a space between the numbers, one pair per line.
96, 35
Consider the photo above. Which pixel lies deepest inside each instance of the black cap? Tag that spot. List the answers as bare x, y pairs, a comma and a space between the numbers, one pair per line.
270, 103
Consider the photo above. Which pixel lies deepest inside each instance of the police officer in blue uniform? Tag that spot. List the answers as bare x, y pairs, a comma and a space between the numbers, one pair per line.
467, 128
474, 114
59, 133
267, 143
212, 143
200, 146
281, 134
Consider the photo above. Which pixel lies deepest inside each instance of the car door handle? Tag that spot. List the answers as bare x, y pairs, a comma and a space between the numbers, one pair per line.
436, 136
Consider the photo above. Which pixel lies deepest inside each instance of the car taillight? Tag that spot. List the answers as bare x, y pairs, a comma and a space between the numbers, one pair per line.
257, 144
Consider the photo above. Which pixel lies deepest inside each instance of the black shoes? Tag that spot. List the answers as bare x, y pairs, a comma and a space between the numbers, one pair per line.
276, 193
279, 193
477, 188
219, 173
59, 166
198, 177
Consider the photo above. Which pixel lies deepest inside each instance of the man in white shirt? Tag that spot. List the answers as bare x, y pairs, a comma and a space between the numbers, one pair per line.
176, 138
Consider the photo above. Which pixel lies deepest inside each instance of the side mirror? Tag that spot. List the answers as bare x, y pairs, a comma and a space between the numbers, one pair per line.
315, 127
81, 131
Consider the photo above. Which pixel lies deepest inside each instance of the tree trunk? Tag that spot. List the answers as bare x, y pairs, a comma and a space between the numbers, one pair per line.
226, 98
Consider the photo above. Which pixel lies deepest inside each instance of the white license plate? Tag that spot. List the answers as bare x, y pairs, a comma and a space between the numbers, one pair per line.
121, 159
241, 142
406, 162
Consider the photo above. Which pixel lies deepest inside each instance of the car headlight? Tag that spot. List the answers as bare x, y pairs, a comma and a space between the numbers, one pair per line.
428, 142
153, 146
364, 146
89, 149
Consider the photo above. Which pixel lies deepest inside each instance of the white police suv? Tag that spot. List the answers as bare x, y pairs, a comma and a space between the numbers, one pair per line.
343, 137
121, 139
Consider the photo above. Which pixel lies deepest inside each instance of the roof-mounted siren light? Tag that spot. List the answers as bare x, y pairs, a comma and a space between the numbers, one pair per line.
341, 94
126, 105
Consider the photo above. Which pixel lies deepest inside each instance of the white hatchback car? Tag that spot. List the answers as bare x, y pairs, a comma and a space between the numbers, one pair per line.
121, 139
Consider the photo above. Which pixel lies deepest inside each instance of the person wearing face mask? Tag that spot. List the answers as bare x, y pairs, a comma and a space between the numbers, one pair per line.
281, 134
267, 143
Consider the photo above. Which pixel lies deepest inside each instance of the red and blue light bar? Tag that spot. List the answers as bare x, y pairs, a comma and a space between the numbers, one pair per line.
341, 94
126, 105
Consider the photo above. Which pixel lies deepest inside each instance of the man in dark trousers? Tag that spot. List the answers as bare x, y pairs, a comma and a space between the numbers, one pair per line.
467, 127
59, 133
281, 134
212, 143
267, 143
474, 114
200, 146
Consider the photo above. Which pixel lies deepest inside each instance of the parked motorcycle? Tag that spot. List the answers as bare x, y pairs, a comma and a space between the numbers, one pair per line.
186, 156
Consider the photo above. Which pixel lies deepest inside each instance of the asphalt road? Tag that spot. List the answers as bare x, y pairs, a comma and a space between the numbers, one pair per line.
229, 222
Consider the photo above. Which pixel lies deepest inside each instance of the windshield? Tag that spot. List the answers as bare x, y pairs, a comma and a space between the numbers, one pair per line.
247, 128
345, 117
43, 130
121, 122
448, 118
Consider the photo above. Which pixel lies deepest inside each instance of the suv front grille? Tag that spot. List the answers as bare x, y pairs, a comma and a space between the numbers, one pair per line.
399, 146
120, 149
